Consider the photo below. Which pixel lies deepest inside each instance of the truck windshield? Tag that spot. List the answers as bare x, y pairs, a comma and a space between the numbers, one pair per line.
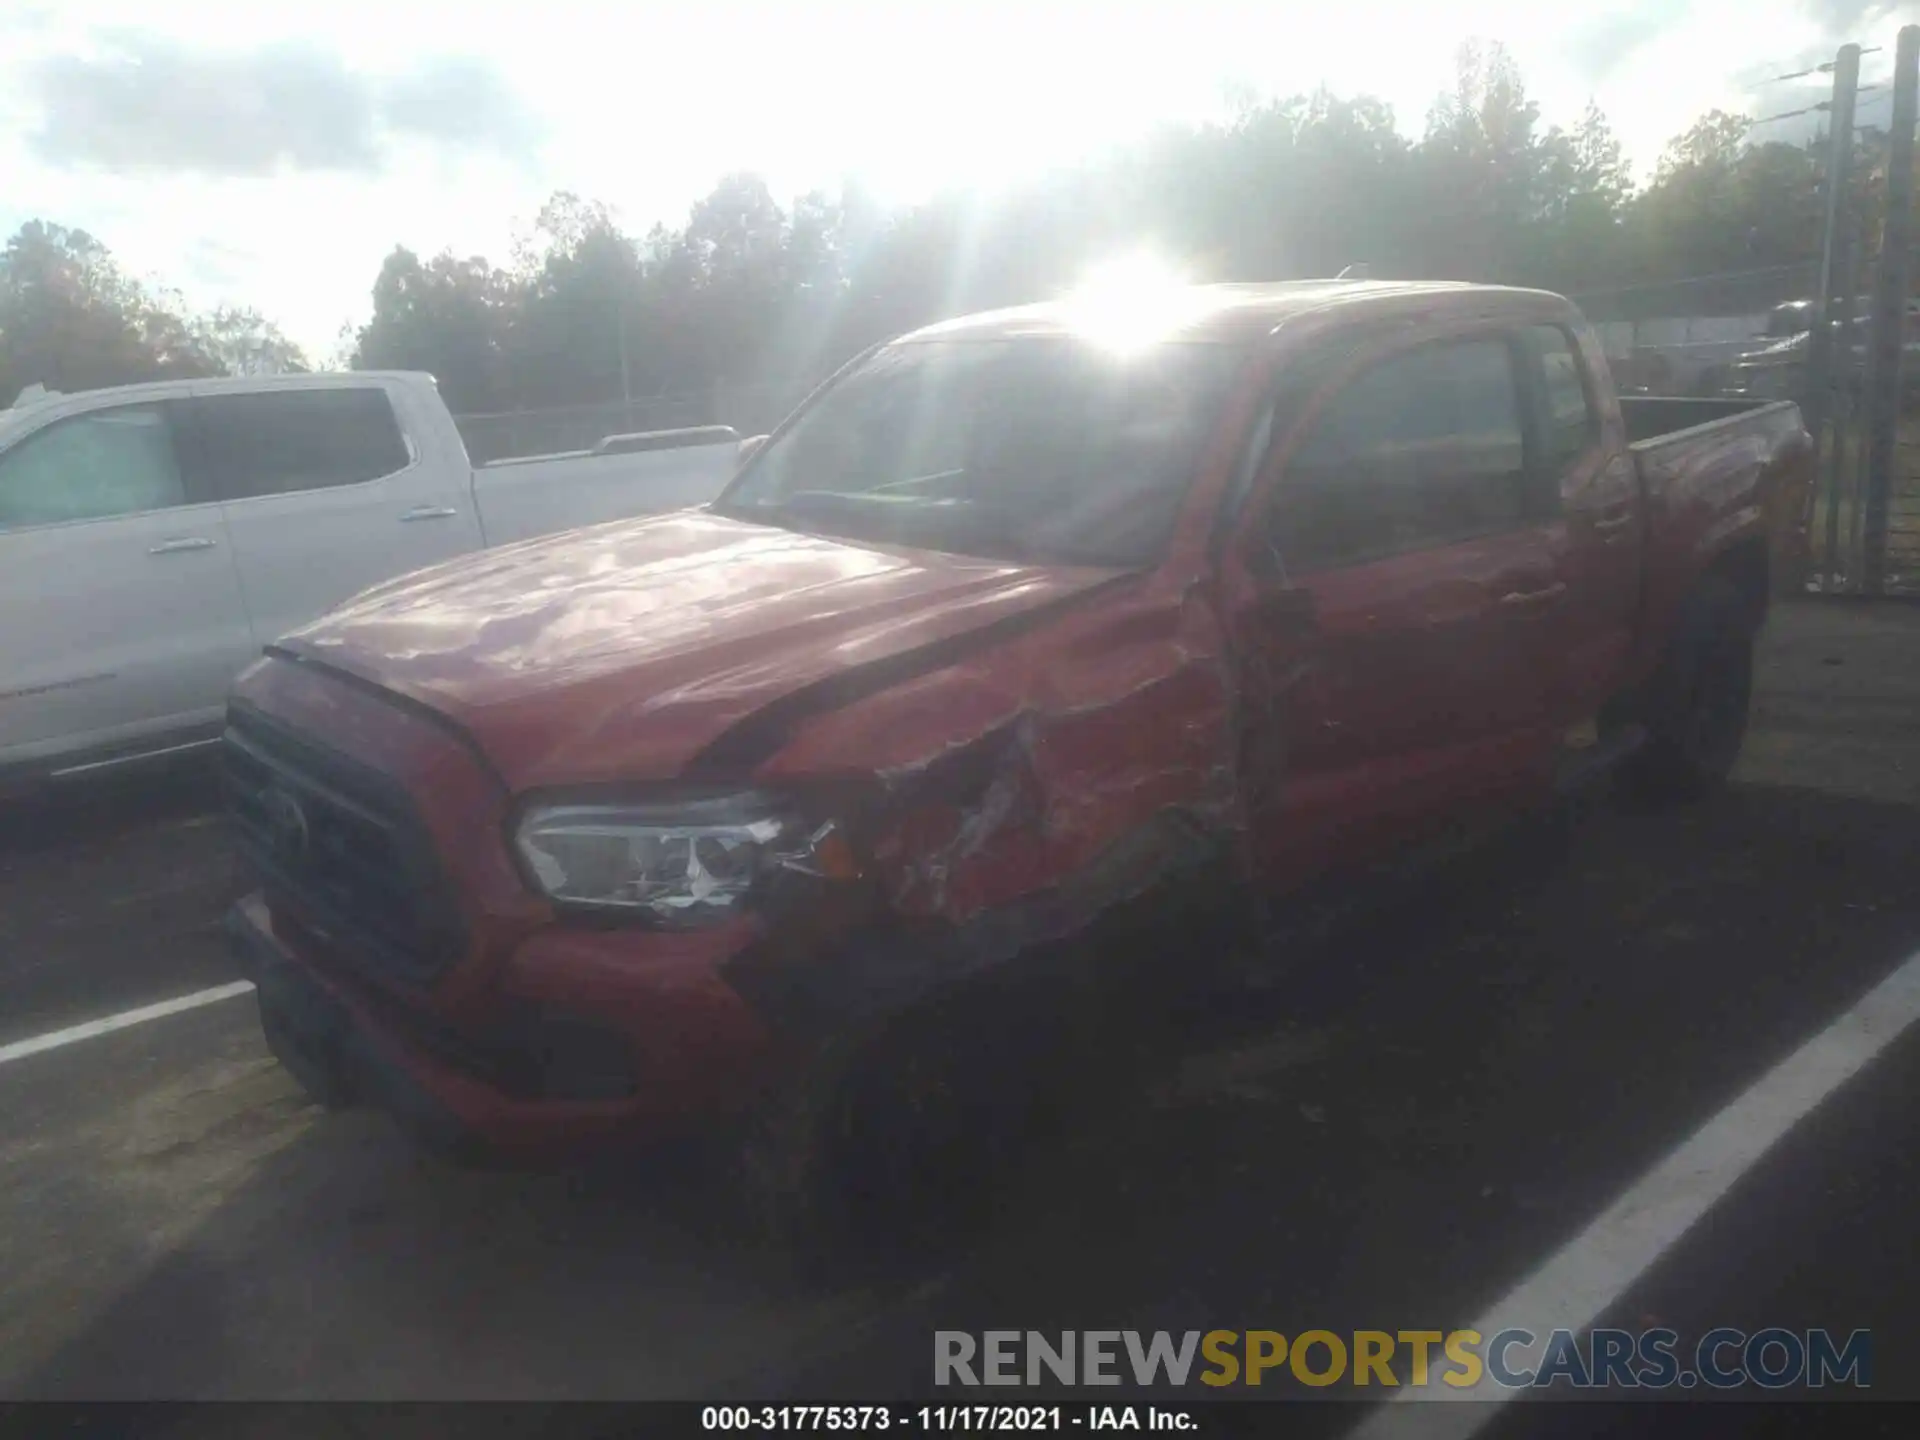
1036, 449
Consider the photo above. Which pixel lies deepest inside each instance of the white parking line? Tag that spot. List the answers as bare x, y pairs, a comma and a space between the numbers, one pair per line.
1582, 1281
53, 1040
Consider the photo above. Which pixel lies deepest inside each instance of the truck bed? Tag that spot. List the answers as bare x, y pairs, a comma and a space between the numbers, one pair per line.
1654, 420
1705, 462
624, 475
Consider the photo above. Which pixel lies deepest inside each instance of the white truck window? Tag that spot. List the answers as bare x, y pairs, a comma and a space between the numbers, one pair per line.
90, 467
281, 441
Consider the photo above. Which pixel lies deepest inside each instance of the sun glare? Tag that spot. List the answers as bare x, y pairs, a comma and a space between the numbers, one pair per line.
1131, 301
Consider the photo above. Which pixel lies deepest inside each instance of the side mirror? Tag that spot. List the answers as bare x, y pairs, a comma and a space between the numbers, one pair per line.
748, 449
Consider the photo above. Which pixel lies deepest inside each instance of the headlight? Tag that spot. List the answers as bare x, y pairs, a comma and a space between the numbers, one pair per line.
685, 864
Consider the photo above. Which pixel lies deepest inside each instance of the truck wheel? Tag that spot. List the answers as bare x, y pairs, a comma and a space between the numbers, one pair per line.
793, 1195
1696, 710
324, 1082
890, 1144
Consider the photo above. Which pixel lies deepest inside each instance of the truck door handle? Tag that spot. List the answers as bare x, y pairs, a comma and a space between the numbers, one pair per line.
1519, 598
430, 512
184, 542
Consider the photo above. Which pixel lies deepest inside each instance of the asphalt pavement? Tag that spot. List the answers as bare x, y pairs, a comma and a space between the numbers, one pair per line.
1396, 1136
111, 899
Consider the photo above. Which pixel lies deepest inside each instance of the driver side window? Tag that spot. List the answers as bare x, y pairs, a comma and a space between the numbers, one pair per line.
92, 466
1420, 450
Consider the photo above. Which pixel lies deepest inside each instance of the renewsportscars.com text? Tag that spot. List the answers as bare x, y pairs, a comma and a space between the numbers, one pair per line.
1654, 1359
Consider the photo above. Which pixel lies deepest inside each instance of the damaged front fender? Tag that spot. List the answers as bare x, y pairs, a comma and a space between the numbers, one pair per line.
1012, 801
824, 979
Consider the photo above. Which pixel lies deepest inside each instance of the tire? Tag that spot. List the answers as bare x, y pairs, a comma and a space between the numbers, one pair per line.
885, 1144
1697, 702
784, 1166
319, 1075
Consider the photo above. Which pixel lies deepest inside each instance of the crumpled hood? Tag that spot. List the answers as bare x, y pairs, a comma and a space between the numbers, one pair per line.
621, 651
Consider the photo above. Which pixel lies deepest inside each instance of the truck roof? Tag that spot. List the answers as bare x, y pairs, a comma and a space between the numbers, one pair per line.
1238, 312
224, 384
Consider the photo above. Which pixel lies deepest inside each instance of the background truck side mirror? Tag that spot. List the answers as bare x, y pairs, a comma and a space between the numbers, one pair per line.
748, 449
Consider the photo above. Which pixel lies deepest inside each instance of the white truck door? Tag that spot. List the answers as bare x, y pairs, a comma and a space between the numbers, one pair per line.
120, 614
325, 494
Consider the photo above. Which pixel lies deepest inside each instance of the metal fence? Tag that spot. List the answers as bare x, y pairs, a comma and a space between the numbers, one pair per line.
1902, 576
504, 435
1861, 399
1846, 559
1689, 336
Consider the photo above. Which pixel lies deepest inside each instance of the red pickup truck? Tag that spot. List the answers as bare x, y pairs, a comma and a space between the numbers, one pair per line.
1019, 620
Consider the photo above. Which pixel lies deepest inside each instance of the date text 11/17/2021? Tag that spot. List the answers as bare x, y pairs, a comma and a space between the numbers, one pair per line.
944, 1419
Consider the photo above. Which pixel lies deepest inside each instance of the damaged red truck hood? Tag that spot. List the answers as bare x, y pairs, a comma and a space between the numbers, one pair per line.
623, 651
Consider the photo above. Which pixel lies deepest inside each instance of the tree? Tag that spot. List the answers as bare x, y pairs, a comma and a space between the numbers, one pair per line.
446, 316
244, 342
575, 308
1711, 145
750, 292
71, 319
1481, 166
1600, 168
737, 278
1583, 186
1718, 204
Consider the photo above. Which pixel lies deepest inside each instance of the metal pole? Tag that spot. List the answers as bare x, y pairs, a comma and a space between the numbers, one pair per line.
1833, 309
1890, 313
1857, 484
626, 378
1849, 374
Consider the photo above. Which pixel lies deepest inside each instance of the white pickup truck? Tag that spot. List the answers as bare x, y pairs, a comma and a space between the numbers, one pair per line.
154, 537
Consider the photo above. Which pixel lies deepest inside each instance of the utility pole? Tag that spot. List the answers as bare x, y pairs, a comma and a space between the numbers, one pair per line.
626, 379
1890, 301
1833, 312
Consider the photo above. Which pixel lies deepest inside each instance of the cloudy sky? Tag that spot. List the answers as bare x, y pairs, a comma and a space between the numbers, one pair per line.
271, 154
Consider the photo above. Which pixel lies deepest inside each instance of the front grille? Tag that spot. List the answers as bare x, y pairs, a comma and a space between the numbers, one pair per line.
340, 851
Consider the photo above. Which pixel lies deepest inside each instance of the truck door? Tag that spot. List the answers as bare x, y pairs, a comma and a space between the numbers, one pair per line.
324, 495
123, 620
1387, 598
1587, 499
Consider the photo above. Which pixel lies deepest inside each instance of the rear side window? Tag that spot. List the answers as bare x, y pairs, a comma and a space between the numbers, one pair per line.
278, 442
91, 467
1571, 425
1424, 449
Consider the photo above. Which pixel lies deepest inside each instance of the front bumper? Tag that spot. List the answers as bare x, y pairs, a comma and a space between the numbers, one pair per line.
343, 1050
317, 1036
